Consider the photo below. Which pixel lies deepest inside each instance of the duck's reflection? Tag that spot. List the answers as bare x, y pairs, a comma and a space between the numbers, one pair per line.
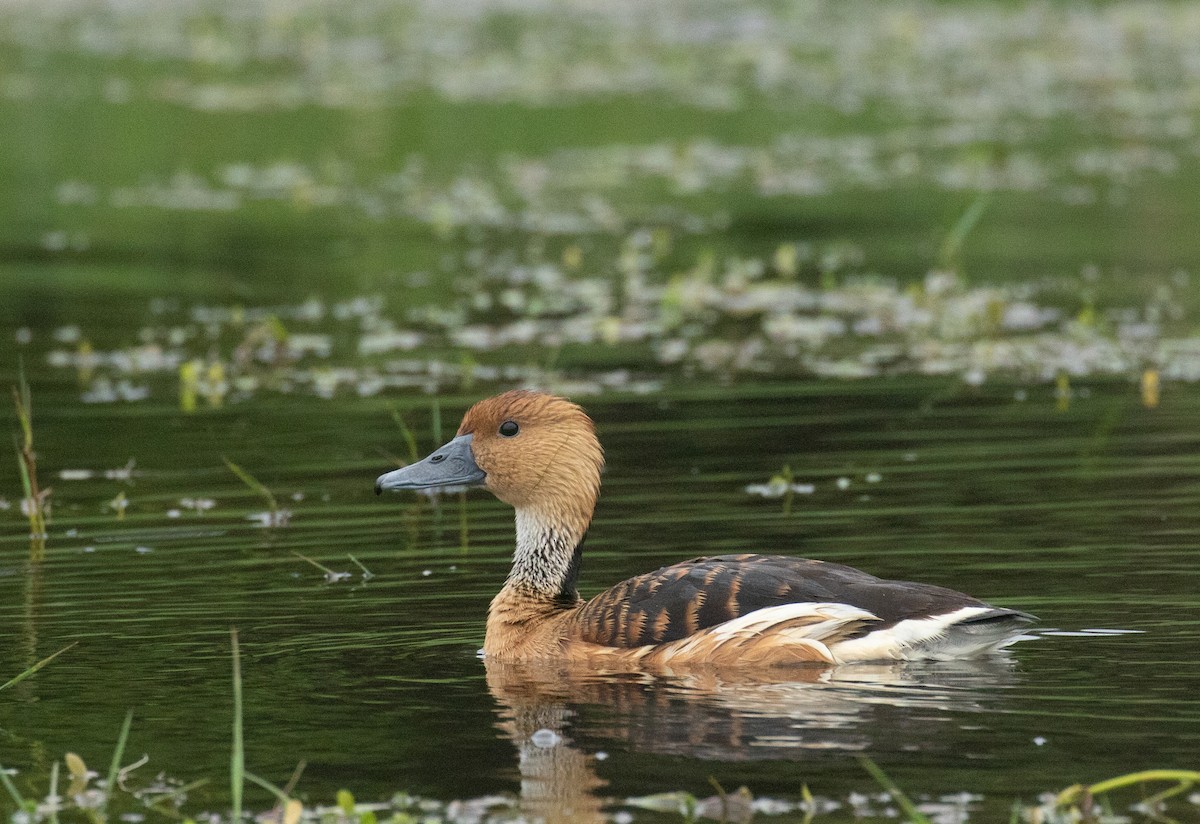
726, 716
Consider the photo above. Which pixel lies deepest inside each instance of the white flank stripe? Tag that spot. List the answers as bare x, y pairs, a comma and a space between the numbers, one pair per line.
762, 620
905, 638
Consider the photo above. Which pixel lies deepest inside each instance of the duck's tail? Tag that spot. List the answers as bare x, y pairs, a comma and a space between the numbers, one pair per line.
968, 632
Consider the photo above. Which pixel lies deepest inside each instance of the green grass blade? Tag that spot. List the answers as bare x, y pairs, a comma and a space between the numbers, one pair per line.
27, 464
1070, 794
1141, 777
12, 789
409, 439
23, 470
436, 415
962, 227
114, 766
367, 574
54, 792
268, 786
253, 483
317, 564
24, 403
237, 760
905, 803
290, 787
35, 668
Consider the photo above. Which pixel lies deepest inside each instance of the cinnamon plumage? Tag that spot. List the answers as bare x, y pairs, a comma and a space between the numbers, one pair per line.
540, 454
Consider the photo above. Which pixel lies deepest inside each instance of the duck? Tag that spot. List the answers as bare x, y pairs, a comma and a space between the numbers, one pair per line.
540, 454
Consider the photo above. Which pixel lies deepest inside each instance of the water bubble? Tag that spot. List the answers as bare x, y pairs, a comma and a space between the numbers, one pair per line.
545, 738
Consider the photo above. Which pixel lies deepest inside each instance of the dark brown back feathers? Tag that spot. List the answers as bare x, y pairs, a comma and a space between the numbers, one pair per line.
679, 600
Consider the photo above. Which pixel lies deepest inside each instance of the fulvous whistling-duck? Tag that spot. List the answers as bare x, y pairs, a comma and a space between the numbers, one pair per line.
540, 454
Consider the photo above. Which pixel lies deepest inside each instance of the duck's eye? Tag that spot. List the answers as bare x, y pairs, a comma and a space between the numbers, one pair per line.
509, 428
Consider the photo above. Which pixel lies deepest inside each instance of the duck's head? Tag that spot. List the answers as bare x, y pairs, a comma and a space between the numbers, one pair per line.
534, 451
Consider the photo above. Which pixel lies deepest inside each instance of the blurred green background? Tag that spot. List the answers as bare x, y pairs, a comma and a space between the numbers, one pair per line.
240, 151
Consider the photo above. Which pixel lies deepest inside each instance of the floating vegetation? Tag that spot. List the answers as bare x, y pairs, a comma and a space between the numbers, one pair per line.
782, 485
736, 808
605, 254
1083, 803
1151, 388
197, 505
740, 317
776, 51
196, 381
163, 799
121, 473
119, 504
964, 121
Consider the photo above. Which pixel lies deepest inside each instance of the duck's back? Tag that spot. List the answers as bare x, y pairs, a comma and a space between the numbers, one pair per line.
752, 594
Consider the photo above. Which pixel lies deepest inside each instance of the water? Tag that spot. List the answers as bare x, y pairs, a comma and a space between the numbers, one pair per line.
261, 233
1083, 518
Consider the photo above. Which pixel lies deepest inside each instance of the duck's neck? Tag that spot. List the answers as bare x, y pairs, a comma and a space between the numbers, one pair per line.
546, 561
525, 619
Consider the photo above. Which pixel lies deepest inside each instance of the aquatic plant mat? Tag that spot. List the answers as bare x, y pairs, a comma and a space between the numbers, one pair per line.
164, 799
131, 793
